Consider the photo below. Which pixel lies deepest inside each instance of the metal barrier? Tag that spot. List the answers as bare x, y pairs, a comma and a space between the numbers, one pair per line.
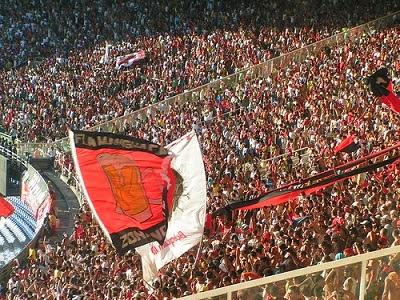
357, 263
36, 150
74, 184
14, 157
6, 137
298, 156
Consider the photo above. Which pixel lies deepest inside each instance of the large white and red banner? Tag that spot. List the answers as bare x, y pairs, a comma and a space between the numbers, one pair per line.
186, 225
35, 193
129, 185
129, 59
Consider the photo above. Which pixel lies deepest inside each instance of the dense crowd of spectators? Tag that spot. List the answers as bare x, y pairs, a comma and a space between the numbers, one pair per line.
313, 104
196, 42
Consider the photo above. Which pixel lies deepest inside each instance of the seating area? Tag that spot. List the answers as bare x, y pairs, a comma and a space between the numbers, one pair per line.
25, 222
7, 234
258, 81
16, 231
22, 212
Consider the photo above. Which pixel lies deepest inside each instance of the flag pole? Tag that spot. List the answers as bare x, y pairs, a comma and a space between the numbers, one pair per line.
198, 251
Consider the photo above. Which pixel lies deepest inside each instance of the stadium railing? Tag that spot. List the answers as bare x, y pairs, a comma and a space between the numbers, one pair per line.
6, 137
16, 160
358, 263
298, 156
70, 178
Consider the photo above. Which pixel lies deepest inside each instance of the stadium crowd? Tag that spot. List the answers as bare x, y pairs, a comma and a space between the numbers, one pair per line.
77, 86
313, 104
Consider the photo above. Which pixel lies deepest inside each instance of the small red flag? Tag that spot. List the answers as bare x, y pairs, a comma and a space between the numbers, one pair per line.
348, 145
6, 208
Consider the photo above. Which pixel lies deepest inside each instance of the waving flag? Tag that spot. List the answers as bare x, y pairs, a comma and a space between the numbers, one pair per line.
341, 168
6, 209
392, 101
186, 226
129, 185
130, 59
379, 82
298, 221
284, 195
347, 145
381, 86
314, 183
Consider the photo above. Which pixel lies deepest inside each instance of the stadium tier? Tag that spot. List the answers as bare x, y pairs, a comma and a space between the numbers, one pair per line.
16, 230
290, 107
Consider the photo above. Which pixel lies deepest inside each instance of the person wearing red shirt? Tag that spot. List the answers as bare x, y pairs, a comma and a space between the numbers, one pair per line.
79, 232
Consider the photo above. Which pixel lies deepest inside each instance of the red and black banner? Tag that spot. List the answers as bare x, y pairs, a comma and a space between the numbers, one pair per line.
392, 101
6, 209
343, 167
285, 194
129, 185
348, 145
381, 86
316, 182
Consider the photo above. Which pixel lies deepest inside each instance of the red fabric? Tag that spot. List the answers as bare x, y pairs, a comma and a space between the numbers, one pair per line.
390, 86
392, 101
6, 208
79, 233
283, 195
251, 275
130, 191
346, 143
131, 58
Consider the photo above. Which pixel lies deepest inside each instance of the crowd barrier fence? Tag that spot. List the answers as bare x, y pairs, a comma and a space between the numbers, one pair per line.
358, 263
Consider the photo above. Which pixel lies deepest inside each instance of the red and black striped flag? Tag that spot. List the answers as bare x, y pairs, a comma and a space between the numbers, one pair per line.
315, 183
347, 145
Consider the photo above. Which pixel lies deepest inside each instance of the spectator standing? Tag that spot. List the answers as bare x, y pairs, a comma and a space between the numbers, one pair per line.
392, 283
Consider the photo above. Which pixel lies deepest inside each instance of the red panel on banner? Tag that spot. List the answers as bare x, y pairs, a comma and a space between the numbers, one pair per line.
130, 186
347, 145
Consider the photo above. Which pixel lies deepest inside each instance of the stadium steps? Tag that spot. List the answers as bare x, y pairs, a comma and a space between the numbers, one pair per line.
67, 205
8, 235
16, 231
25, 224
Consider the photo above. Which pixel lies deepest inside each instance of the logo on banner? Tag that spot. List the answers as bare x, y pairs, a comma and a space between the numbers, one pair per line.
126, 182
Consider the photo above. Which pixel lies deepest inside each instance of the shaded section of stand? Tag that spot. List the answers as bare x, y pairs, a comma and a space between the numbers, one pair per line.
67, 205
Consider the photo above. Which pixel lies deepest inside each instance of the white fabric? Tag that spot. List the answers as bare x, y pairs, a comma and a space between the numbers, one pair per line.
129, 59
186, 225
105, 59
